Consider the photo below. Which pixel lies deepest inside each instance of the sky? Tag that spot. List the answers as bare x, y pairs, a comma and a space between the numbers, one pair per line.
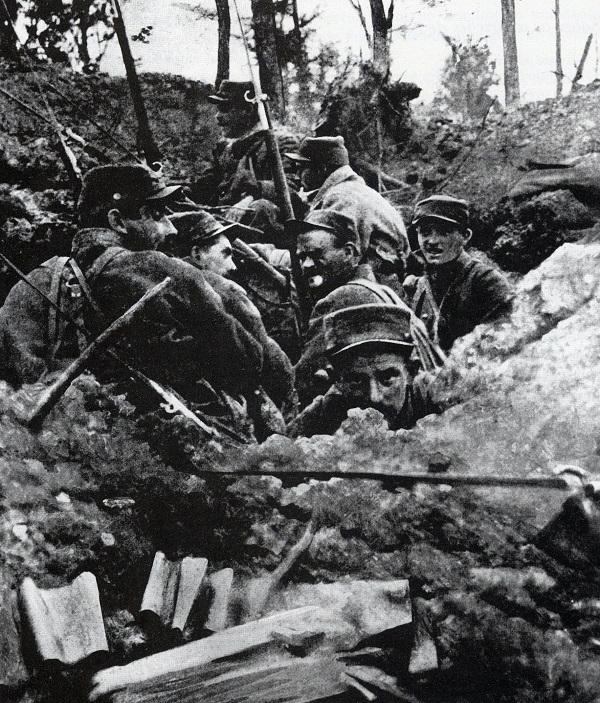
184, 45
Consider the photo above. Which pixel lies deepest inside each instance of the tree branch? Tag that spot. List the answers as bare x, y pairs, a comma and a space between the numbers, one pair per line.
363, 20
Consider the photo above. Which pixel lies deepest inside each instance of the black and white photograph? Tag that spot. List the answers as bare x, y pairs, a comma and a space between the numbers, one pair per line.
299, 351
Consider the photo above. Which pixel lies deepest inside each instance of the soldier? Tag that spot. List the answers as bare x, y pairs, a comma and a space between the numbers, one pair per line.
260, 269
210, 245
211, 251
241, 164
456, 292
329, 254
369, 347
187, 339
333, 185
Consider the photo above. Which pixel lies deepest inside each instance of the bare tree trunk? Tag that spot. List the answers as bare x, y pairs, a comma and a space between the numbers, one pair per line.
363, 21
266, 52
224, 20
82, 10
303, 74
512, 90
559, 68
381, 42
8, 40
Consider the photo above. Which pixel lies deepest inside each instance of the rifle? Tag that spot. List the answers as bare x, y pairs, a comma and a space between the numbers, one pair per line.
145, 138
171, 401
393, 477
66, 132
279, 178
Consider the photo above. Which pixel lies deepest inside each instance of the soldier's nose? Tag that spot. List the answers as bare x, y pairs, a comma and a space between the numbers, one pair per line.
308, 263
375, 395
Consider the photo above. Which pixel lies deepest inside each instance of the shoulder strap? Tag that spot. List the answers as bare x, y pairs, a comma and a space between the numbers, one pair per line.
100, 262
53, 331
85, 289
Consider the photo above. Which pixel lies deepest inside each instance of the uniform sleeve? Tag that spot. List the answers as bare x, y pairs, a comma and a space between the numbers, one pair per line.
189, 316
23, 322
494, 295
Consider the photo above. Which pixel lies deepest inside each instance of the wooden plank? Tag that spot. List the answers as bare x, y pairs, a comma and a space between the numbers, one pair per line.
65, 623
232, 641
281, 681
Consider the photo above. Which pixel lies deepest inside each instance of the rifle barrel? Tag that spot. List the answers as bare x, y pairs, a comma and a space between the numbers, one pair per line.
400, 479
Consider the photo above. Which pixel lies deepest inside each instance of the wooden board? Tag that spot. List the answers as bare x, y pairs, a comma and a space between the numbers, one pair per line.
308, 621
292, 681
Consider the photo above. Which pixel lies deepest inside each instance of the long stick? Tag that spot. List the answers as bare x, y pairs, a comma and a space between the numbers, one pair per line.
51, 395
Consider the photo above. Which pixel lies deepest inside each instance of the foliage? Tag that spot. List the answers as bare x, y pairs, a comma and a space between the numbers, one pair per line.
468, 75
73, 31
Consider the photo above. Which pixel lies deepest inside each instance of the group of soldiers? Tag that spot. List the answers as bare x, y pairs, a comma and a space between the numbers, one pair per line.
268, 325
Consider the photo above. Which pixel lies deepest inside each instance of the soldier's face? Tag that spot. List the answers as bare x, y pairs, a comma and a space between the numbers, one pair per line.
217, 258
151, 229
312, 177
323, 262
441, 242
235, 119
373, 379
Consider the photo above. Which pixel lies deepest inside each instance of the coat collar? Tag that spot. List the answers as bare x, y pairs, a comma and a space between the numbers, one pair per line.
340, 175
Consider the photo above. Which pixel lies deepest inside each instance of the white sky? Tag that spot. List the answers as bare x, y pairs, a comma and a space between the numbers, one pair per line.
183, 45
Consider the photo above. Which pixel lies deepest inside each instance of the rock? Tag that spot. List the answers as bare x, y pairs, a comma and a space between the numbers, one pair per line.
561, 207
532, 577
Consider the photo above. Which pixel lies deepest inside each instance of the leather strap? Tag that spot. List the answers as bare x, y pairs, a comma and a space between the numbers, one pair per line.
54, 322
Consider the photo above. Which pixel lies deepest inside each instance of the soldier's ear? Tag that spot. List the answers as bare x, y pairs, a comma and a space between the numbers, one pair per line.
468, 233
115, 221
351, 250
195, 252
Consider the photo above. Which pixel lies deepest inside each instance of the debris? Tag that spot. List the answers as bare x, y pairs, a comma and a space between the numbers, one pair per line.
65, 623
171, 591
117, 504
219, 585
258, 591
230, 642
108, 539
21, 531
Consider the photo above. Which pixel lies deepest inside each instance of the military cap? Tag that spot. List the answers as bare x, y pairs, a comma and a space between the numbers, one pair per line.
109, 186
442, 207
338, 223
206, 228
232, 92
329, 151
352, 327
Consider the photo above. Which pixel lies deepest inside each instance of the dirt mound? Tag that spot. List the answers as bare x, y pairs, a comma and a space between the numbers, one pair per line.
36, 203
